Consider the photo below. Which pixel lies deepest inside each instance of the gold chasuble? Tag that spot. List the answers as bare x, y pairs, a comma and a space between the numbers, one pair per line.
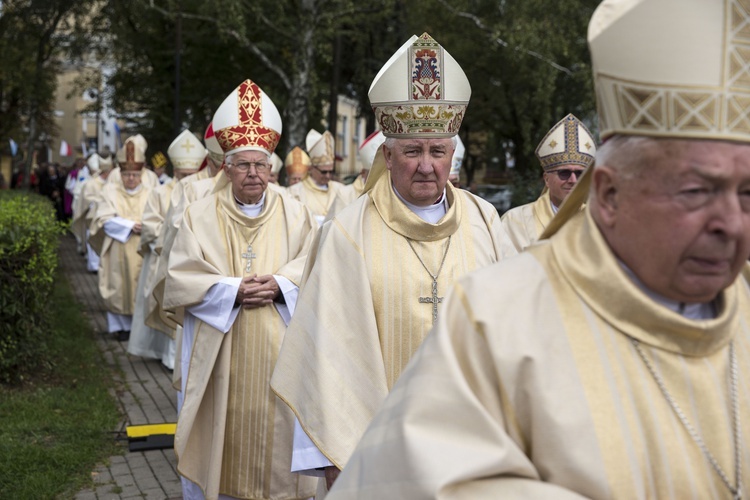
366, 304
318, 200
523, 225
120, 263
555, 401
234, 437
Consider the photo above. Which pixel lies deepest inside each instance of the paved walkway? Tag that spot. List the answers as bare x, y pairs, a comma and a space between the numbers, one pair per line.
144, 392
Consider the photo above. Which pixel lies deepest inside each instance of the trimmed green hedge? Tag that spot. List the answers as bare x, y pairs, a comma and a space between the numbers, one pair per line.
29, 243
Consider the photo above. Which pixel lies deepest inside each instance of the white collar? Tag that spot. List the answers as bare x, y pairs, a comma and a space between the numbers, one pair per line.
134, 190
431, 213
252, 210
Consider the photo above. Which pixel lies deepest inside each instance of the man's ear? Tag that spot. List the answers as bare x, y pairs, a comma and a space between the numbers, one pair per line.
605, 191
388, 156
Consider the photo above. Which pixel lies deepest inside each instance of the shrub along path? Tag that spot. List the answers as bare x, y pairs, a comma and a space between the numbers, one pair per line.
144, 390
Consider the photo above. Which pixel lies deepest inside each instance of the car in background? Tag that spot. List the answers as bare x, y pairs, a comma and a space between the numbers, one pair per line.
497, 195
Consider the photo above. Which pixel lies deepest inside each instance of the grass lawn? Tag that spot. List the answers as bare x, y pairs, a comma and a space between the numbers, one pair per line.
57, 426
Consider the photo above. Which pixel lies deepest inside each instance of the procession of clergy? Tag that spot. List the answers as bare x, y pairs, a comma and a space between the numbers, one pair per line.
397, 329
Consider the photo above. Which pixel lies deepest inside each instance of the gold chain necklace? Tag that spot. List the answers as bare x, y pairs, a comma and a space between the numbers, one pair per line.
434, 299
248, 254
696, 437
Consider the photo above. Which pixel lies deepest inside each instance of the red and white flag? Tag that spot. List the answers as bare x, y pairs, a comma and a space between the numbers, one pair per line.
65, 149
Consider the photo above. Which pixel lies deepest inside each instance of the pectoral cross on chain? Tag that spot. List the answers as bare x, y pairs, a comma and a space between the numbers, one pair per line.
434, 300
249, 255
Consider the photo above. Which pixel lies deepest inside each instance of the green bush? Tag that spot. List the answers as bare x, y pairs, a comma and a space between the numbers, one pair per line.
28, 259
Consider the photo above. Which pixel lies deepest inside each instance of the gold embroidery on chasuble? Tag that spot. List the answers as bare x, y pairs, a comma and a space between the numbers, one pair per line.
255, 340
397, 277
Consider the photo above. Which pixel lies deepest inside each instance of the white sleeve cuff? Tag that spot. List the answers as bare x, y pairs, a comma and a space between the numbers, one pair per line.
306, 457
119, 229
217, 308
290, 291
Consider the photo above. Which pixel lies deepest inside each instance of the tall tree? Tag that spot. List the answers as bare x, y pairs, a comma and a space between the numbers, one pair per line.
35, 37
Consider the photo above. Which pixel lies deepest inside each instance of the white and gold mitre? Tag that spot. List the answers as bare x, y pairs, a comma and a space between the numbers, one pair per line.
569, 142
186, 152
297, 161
458, 157
320, 147
420, 92
247, 120
133, 152
369, 148
105, 164
93, 162
672, 68
276, 164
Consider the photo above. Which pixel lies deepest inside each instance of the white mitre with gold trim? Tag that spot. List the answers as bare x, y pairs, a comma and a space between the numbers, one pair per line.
369, 148
93, 162
247, 120
569, 142
672, 68
420, 92
186, 152
320, 147
276, 163
458, 157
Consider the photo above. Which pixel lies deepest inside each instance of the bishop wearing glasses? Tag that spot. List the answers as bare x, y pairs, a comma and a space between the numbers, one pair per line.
233, 275
318, 190
564, 153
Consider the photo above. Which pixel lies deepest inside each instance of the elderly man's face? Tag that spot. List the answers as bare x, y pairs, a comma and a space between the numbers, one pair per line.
184, 172
419, 168
322, 174
561, 180
131, 179
683, 224
248, 171
294, 178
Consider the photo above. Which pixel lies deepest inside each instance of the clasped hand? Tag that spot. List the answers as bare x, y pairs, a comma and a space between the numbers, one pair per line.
257, 291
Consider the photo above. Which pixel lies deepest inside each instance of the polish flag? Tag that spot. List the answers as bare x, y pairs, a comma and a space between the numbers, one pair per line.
65, 149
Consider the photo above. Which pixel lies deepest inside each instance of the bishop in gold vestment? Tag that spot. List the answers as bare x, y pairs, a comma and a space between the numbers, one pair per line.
564, 154
234, 269
374, 286
115, 236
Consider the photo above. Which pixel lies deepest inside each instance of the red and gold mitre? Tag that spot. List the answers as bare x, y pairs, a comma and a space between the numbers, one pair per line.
420, 92
247, 120
297, 161
369, 148
212, 144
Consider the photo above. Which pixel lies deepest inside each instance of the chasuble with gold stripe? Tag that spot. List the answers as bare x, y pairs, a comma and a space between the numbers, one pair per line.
532, 387
366, 304
234, 436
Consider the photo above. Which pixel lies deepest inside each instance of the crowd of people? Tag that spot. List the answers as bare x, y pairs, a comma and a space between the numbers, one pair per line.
397, 338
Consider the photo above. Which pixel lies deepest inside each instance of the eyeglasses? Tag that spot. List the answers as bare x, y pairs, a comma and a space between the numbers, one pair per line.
130, 174
244, 166
564, 173
331, 172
